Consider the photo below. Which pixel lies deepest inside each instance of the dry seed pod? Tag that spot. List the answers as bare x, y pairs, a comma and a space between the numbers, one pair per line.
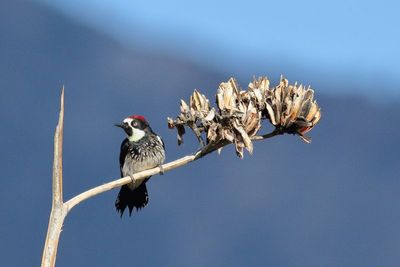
227, 96
242, 139
184, 106
198, 102
258, 90
291, 109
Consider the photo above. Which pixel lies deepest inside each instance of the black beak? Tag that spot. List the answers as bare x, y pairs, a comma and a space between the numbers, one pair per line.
123, 126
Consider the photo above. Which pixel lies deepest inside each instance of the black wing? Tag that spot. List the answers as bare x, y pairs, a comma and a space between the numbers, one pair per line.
122, 154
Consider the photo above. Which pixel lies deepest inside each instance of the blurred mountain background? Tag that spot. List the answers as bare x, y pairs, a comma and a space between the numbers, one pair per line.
331, 203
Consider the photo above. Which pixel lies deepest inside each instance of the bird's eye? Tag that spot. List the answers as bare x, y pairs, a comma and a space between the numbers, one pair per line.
134, 124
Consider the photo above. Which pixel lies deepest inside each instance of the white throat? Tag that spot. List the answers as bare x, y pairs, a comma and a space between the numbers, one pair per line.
136, 135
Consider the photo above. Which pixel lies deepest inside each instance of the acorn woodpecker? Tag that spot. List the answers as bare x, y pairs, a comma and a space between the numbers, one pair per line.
141, 150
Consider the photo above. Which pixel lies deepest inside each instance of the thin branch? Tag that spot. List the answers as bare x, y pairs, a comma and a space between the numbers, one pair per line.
150, 172
276, 132
137, 177
125, 180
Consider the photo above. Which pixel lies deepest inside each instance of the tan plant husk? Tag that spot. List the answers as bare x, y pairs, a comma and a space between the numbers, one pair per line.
291, 109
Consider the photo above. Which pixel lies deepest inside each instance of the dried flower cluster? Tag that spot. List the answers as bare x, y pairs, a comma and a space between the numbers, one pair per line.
290, 108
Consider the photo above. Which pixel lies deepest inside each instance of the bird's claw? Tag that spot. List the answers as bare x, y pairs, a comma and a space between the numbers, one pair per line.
133, 179
161, 169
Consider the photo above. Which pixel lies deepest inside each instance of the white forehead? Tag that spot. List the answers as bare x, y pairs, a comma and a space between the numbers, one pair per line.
128, 120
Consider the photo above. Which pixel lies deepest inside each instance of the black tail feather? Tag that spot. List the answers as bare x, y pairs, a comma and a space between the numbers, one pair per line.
136, 198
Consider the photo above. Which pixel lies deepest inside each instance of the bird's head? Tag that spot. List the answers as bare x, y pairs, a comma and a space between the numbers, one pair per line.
135, 127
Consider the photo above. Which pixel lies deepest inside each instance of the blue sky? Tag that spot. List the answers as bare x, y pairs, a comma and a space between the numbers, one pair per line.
351, 41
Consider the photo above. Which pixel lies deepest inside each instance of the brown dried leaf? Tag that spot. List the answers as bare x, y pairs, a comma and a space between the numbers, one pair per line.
271, 114
212, 135
244, 137
211, 115
252, 121
181, 132
227, 95
228, 135
317, 117
220, 98
305, 138
305, 108
258, 90
184, 106
239, 148
313, 110
199, 102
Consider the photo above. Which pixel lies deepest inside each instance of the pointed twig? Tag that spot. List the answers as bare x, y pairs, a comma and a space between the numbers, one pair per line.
58, 211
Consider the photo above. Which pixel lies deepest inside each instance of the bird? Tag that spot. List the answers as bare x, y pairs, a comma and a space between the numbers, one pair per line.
142, 149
